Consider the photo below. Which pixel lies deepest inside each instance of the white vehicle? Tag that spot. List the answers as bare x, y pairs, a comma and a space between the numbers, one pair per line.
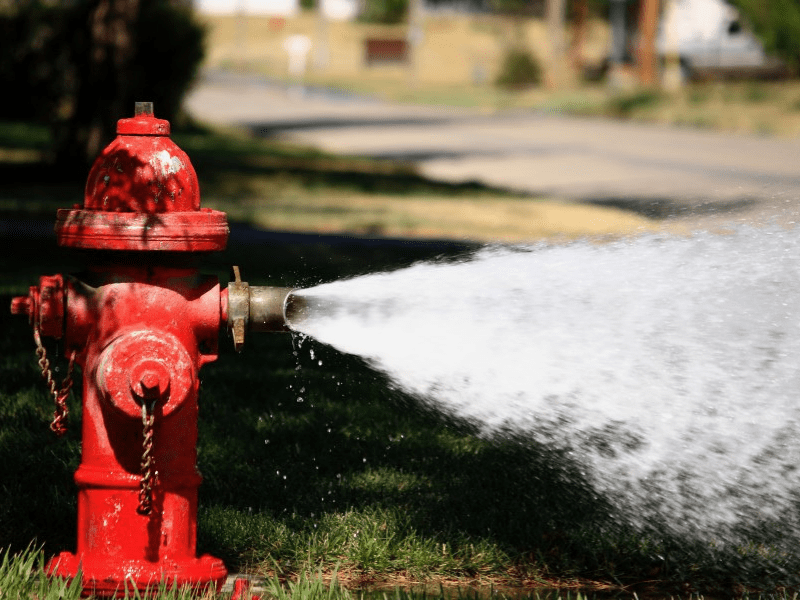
708, 37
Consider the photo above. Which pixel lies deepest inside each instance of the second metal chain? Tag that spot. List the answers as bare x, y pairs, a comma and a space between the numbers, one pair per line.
149, 474
59, 394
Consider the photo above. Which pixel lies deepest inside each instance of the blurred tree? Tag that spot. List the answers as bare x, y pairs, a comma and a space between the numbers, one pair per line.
34, 61
777, 24
81, 66
580, 26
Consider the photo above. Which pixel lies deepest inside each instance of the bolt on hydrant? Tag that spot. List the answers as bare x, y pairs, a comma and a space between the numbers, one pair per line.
141, 322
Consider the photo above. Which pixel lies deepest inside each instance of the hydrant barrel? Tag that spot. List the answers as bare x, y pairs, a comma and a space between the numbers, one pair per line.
141, 322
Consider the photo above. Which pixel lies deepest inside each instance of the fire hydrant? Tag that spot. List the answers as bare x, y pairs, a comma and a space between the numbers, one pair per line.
141, 322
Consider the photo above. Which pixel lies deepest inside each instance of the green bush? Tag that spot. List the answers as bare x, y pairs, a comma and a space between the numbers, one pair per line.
59, 68
384, 11
519, 70
34, 62
777, 24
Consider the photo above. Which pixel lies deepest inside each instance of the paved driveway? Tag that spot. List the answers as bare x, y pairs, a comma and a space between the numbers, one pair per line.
657, 171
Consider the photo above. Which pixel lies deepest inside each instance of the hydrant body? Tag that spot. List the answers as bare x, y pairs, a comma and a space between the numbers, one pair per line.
141, 322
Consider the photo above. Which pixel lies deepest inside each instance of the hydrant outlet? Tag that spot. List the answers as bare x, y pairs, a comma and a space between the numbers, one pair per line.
145, 366
258, 308
268, 308
44, 306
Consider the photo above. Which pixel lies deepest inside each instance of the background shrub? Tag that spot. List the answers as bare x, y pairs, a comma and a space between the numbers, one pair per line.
519, 70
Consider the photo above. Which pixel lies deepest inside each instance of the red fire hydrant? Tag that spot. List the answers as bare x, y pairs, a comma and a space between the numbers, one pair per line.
141, 321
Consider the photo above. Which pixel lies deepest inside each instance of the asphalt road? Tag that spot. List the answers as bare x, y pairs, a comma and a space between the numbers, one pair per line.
661, 172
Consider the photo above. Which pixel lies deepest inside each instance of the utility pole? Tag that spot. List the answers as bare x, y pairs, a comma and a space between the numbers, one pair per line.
322, 55
556, 19
646, 52
619, 42
414, 39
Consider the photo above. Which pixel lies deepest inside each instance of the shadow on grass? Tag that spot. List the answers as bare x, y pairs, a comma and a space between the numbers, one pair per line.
671, 208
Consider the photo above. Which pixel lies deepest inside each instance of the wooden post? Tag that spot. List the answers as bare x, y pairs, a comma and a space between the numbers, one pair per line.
579, 28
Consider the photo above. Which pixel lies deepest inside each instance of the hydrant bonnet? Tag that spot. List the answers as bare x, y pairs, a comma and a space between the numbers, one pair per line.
142, 193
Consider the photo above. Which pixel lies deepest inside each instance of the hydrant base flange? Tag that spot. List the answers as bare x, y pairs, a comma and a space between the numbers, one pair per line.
98, 579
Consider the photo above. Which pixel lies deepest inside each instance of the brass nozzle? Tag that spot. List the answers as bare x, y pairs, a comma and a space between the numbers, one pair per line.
260, 308
268, 308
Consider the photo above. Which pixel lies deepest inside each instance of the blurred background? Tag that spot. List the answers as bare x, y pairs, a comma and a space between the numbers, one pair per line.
288, 82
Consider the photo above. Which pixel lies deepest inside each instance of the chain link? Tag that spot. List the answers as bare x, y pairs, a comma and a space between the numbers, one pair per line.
60, 393
149, 474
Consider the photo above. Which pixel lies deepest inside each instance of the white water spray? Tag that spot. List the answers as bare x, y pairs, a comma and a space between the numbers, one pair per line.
667, 368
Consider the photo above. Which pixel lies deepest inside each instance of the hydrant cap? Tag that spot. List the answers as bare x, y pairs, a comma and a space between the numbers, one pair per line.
142, 193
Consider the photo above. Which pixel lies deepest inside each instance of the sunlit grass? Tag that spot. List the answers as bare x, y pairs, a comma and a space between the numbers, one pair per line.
22, 576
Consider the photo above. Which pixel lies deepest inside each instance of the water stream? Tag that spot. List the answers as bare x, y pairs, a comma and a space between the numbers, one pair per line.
666, 368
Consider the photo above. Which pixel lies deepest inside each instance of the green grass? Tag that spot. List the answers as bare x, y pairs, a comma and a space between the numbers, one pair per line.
22, 576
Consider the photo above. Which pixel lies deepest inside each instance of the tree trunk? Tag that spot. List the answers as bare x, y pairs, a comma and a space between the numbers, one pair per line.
646, 52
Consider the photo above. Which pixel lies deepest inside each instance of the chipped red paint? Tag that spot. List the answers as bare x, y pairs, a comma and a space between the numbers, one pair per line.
142, 323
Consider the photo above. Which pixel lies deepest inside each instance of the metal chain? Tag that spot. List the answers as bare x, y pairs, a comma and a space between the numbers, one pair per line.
59, 424
149, 474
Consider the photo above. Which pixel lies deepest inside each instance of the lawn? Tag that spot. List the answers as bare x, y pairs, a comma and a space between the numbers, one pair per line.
313, 462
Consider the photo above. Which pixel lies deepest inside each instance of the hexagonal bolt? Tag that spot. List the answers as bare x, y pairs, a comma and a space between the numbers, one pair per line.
150, 380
